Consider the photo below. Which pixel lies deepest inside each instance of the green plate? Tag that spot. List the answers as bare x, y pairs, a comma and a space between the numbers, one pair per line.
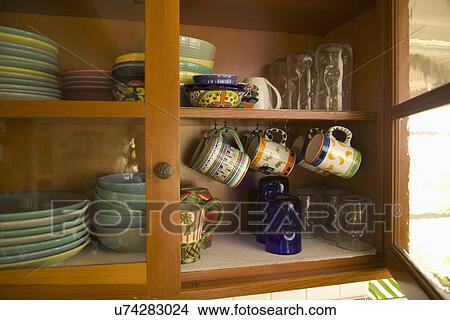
30, 66
29, 232
25, 82
194, 67
24, 76
25, 96
43, 253
124, 182
48, 221
35, 205
45, 91
28, 34
27, 52
42, 237
28, 60
134, 201
39, 246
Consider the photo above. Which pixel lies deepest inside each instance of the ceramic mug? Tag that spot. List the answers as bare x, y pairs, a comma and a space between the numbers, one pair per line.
299, 146
271, 157
193, 230
325, 152
265, 97
217, 159
213, 207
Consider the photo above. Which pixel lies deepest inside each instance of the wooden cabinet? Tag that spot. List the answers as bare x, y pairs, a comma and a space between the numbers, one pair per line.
67, 145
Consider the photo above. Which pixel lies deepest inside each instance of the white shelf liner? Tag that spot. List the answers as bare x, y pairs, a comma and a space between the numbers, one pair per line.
234, 251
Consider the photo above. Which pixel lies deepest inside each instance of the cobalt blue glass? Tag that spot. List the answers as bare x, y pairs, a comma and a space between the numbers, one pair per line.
283, 236
269, 188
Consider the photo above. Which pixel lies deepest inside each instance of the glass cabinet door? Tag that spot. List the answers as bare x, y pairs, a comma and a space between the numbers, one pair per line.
420, 141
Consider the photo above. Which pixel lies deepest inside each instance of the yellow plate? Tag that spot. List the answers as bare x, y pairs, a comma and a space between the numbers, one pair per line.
6, 37
206, 63
47, 260
131, 57
29, 72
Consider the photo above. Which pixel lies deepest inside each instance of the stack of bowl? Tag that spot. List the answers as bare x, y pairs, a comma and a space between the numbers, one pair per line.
129, 74
96, 85
119, 217
196, 58
38, 229
28, 66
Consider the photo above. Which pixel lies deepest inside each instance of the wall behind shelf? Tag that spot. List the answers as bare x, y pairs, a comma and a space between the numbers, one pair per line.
86, 43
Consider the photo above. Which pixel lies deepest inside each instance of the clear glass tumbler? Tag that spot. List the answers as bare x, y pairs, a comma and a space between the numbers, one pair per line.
331, 199
355, 223
334, 68
311, 211
302, 80
279, 78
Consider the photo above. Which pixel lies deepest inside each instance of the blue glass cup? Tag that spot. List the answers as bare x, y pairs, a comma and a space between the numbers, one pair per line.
283, 236
268, 189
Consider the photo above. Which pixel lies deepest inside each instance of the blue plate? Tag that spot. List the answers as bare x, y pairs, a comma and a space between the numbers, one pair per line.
21, 50
28, 34
216, 79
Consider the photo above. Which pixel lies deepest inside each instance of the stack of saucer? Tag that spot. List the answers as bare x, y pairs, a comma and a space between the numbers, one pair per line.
96, 85
28, 66
37, 229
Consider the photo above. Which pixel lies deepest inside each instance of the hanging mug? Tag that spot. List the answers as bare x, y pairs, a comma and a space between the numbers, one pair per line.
217, 159
213, 207
325, 152
299, 147
271, 157
265, 97
194, 230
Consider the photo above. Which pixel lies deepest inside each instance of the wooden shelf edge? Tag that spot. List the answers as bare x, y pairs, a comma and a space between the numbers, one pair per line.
259, 285
274, 115
71, 109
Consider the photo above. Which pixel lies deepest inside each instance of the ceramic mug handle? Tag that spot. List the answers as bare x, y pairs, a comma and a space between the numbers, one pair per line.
277, 93
269, 136
348, 133
225, 130
216, 206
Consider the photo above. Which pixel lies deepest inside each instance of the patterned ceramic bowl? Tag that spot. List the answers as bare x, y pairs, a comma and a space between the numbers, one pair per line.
216, 96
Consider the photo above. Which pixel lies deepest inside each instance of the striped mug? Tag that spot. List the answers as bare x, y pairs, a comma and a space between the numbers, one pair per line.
217, 159
325, 152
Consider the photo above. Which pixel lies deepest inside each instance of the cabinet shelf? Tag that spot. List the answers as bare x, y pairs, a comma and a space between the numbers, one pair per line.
274, 115
71, 109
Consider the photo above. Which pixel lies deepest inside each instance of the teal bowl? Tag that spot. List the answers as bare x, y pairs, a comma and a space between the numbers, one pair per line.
133, 201
122, 240
131, 183
119, 221
194, 67
113, 207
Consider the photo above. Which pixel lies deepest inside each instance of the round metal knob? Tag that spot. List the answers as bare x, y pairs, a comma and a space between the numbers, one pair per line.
163, 170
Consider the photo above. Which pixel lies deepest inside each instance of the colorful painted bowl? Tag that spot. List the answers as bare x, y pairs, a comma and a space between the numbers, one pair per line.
207, 63
186, 77
122, 240
196, 48
194, 67
215, 96
219, 79
131, 57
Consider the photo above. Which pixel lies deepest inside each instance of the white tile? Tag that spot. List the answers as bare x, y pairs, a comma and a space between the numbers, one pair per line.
289, 295
354, 290
323, 293
265, 296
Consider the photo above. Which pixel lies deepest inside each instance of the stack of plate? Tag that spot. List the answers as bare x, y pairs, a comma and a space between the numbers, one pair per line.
196, 58
28, 66
95, 85
38, 229
120, 218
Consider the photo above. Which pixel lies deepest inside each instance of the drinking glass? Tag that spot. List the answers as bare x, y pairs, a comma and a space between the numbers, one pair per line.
334, 69
279, 78
310, 201
283, 235
331, 199
302, 80
355, 223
